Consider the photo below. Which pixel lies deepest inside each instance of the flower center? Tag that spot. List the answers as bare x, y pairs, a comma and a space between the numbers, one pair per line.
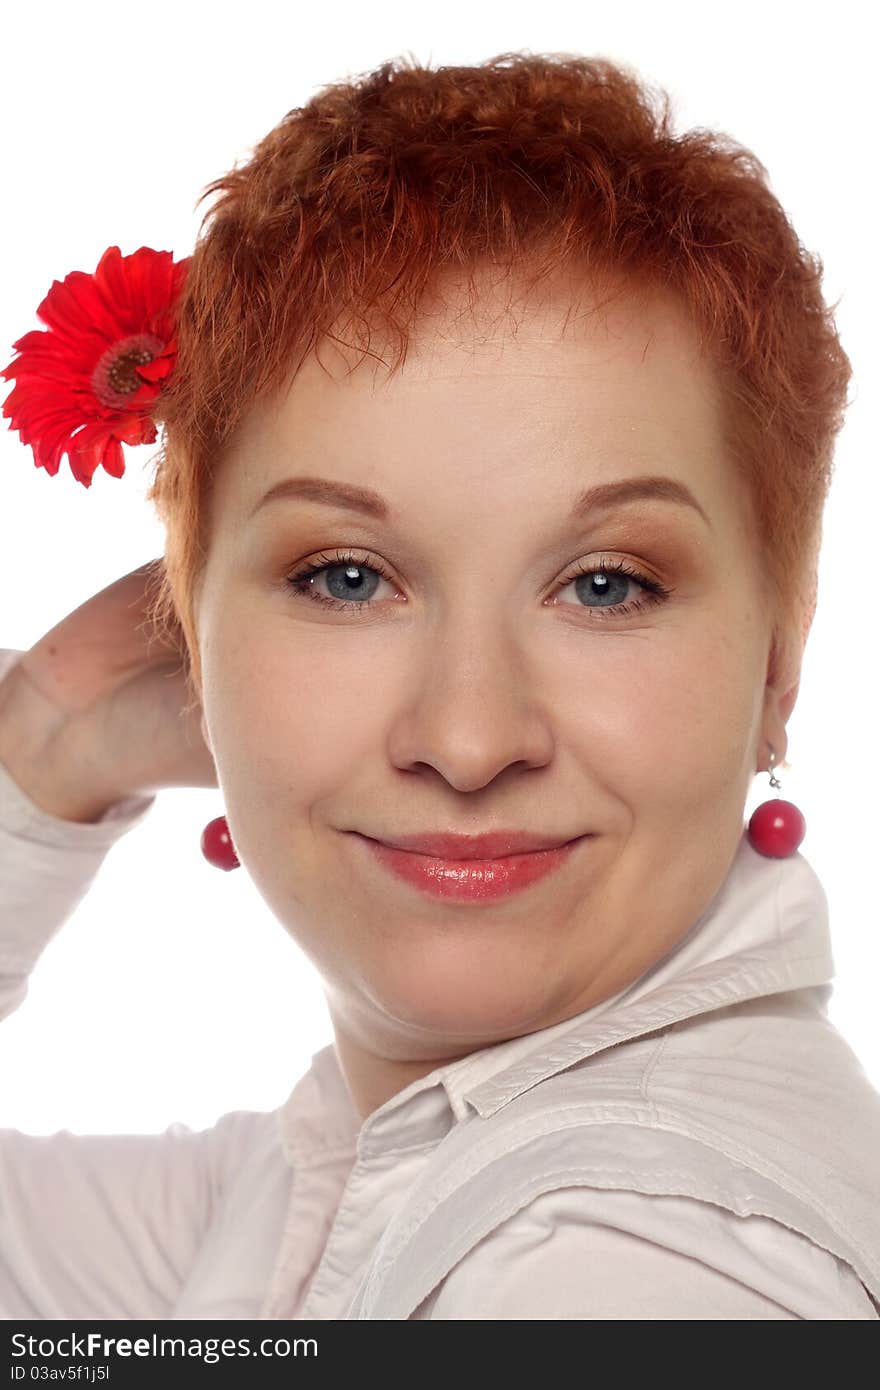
115, 378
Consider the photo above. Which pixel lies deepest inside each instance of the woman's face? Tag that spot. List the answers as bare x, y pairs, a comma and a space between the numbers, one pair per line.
489, 673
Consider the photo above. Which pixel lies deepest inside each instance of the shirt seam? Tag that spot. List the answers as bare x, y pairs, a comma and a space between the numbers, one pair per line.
511, 1205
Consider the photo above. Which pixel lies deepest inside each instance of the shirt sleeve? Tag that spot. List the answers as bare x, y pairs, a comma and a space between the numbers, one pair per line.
587, 1253
91, 1226
47, 866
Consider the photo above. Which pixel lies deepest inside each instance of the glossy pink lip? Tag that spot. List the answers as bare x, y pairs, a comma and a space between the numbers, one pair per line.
494, 845
470, 880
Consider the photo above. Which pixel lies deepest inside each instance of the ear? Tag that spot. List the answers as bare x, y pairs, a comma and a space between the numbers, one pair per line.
777, 712
205, 735
777, 709
783, 677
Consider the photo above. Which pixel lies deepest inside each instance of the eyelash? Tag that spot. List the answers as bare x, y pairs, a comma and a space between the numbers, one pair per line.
300, 582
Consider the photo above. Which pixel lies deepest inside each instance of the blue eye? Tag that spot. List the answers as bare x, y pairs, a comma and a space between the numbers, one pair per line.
351, 586
345, 576
614, 578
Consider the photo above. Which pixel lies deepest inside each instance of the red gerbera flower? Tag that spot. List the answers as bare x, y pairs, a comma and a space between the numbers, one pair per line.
86, 384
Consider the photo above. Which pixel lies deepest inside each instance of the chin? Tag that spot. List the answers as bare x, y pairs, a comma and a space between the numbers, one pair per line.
471, 1008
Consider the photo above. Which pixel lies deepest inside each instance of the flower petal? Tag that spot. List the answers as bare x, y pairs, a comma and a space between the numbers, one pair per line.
74, 309
114, 459
57, 403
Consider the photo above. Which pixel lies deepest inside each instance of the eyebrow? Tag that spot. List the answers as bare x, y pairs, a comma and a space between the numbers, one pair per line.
601, 497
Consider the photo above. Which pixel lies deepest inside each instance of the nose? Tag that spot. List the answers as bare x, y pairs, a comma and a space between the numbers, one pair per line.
476, 707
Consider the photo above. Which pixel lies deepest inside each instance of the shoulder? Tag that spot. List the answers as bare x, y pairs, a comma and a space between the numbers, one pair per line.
786, 1039
88, 1176
580, 1252
109, 1225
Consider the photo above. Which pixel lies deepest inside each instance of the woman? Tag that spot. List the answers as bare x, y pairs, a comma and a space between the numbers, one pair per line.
542, 587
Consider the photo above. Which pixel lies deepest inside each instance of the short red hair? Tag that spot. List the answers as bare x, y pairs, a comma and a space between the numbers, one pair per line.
354, 201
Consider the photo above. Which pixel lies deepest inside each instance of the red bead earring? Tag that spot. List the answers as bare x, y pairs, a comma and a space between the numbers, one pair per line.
777, 827
217, 846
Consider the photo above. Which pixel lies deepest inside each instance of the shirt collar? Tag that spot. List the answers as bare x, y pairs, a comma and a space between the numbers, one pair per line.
766, 929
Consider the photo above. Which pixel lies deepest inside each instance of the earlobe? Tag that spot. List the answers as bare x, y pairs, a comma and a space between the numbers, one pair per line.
773, 731
205, 735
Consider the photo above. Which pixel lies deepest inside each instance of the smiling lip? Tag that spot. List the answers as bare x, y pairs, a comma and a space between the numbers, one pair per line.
496, 844
470, 879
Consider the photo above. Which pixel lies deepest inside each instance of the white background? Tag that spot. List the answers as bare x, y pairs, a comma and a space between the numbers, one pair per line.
172, 993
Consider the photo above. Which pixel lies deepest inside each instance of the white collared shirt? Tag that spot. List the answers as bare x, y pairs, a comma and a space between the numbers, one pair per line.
288, 1214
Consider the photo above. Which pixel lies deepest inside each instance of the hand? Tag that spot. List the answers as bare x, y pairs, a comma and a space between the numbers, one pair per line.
99, 707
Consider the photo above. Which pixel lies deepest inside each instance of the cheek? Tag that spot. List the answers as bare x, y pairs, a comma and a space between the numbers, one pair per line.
294, 715
697, 713
667, 713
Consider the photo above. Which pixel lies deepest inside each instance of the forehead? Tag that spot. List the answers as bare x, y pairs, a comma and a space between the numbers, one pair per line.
502, 378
